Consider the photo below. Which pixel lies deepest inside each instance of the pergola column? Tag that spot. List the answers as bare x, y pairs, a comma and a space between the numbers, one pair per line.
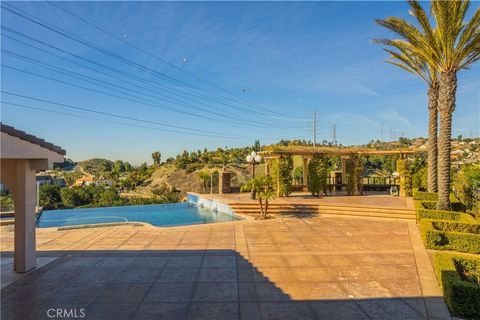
19, 176
344, 169
267, 169
305, 173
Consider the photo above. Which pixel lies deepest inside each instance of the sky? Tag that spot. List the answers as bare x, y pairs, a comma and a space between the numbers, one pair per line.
119, 80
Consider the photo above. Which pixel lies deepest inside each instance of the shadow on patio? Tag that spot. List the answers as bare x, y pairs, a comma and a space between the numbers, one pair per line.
195, 284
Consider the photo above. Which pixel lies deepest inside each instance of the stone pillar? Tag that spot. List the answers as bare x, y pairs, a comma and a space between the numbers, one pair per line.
305, 174
223, 182
24, 192
267, 169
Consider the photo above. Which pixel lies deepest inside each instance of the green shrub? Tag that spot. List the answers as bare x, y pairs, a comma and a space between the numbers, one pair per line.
318, 170
281, 172
458, 276
422, 195
438, 214
448, 235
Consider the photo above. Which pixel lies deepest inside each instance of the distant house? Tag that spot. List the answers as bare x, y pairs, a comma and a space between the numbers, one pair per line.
48, 179
103, 183
84, 181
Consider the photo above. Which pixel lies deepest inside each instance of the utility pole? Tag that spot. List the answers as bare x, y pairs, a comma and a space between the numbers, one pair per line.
314, 128
334, 134
381, 132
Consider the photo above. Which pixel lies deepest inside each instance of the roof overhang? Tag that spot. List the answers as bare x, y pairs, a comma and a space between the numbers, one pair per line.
18, 145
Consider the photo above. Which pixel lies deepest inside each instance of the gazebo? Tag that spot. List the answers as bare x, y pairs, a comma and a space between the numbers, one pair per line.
21, 156
308, 152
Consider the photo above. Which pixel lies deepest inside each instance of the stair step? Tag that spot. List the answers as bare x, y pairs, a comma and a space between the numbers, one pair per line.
340, 207
372, 215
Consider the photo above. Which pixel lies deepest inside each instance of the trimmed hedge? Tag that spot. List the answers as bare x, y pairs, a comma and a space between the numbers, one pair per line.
448, 235
461, 289
426, 210
429, 200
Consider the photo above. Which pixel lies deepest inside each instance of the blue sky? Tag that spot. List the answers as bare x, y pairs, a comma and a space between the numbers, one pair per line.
211, 74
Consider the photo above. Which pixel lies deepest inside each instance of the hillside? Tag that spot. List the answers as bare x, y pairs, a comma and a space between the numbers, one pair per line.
168, 176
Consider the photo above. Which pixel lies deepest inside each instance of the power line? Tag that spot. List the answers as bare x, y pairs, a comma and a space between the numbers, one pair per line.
143, 50
57, 30
105, 113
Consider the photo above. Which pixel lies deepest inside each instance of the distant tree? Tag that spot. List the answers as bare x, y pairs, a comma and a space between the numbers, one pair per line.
205, 178
256, 146
49, 196
127, 166
119, 166
156, 156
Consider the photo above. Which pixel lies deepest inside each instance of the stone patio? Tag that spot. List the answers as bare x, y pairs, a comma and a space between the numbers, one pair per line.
290, 268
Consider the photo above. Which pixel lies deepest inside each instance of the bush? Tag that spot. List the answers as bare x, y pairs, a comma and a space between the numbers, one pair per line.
429, 199
49, 196
422, 195
281, 173
458, 276
447, 235
318, 169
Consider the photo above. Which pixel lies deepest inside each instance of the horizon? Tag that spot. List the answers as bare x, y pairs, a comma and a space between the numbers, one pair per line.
187, 76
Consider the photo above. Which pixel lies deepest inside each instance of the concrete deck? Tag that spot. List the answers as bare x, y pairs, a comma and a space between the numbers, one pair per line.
289, 268
371, 200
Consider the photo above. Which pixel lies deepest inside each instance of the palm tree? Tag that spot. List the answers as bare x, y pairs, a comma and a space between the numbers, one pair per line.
453, 44
417, 66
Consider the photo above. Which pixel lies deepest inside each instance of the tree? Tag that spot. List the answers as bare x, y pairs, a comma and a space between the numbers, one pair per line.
205, 178
119, 166
127, 166
452, 45
49, 196
156, 156
414, 64
263, 188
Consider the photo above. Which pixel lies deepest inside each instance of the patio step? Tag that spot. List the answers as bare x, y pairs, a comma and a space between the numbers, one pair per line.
372, 212
366, 209
274, 208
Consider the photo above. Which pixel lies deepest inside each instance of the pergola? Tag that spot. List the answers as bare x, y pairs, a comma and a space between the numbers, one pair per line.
21, 156
345, 153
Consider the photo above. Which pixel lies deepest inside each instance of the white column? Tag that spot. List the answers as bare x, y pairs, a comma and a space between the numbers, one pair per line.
24, 195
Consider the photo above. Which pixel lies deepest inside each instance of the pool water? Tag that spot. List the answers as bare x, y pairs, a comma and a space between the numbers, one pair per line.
160, 215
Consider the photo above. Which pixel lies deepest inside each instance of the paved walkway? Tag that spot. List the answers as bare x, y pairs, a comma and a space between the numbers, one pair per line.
292, 268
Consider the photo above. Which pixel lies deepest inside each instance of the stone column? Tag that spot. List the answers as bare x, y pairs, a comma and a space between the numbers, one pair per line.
266, 167
24, 192
305, 174
224, 182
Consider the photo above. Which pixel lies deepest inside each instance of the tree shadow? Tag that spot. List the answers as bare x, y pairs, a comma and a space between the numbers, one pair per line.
183, 284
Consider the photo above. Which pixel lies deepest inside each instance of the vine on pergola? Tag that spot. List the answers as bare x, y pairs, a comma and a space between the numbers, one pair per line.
318, 170
281, 173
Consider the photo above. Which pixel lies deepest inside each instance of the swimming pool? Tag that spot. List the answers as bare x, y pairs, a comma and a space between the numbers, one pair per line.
160, 215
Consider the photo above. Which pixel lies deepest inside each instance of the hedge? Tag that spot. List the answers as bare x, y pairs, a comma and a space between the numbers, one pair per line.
448, 235
430, 199
462, 293
425, 210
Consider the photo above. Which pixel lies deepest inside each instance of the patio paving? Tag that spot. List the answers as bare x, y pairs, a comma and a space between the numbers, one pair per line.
290, 268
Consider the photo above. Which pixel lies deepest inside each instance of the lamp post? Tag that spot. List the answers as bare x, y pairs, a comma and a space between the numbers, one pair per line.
253, 159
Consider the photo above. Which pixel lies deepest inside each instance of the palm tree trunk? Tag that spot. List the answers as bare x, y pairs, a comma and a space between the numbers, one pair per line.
446, 106
261, 207
432, 137
266, 208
